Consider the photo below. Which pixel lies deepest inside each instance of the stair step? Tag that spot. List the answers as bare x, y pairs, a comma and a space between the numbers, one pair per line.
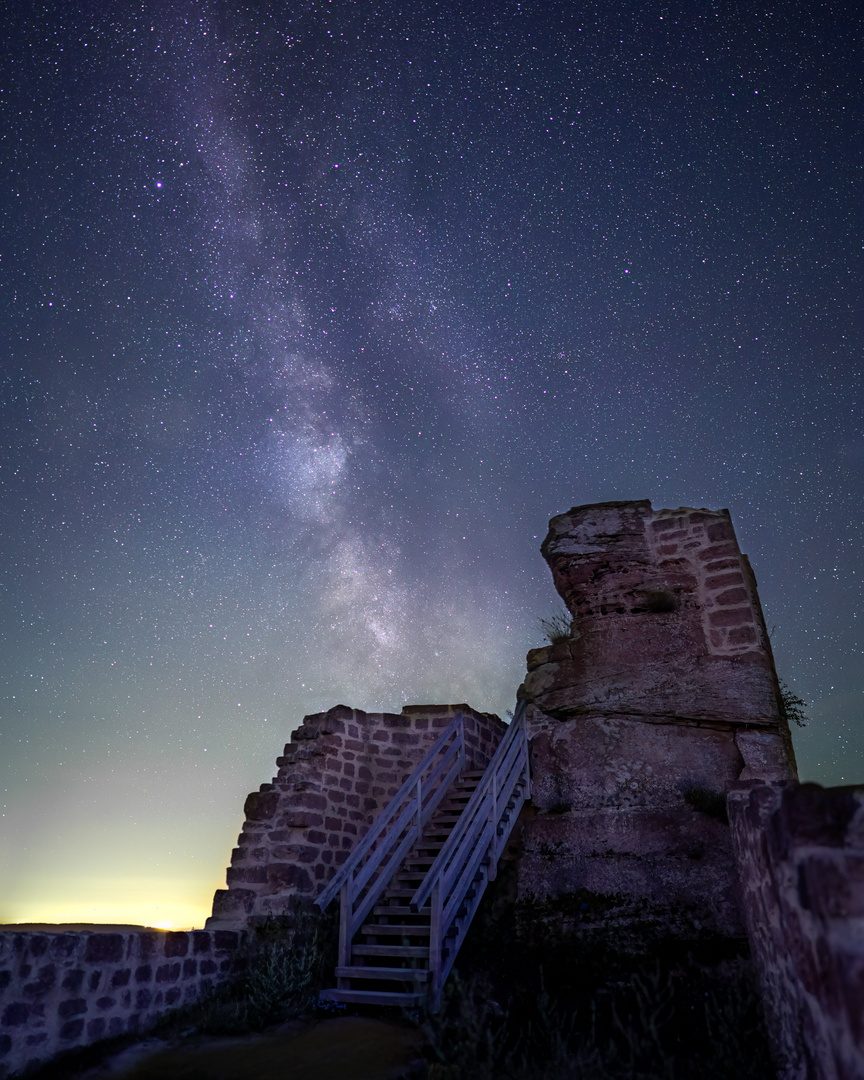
373, 997
384, 973
419, 952
373, 930
400, 910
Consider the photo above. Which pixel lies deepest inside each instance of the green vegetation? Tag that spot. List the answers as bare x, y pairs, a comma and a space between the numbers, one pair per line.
279, 973
792, 707
558, 627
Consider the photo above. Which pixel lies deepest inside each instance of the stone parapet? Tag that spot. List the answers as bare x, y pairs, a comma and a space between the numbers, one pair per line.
800, 855
60, 991
340, 769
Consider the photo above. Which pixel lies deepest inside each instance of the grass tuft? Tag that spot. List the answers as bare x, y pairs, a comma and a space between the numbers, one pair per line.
558, 627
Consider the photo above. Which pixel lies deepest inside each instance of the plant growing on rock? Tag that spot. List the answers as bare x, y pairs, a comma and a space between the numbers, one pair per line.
558, 627
791, 706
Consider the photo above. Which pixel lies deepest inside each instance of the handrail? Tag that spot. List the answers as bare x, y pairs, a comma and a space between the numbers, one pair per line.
372, 864
478, 837
469, 814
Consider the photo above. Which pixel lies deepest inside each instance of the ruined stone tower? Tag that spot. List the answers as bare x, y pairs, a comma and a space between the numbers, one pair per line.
664, 695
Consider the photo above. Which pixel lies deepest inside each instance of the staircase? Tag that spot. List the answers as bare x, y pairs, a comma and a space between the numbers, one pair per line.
411, 887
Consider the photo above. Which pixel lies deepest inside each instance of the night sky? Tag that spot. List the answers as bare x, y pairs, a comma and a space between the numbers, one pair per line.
314, 313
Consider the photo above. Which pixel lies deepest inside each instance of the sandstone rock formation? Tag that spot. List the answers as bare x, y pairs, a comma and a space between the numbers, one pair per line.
664, 695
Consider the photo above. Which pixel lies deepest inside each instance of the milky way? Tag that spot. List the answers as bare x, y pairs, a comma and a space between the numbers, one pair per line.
315, 313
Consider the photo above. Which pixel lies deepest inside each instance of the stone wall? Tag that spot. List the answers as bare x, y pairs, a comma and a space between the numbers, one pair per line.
339, 770
800, 852
59, 991
663, 696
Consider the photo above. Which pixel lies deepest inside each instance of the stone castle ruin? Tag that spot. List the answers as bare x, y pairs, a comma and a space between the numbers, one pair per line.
649, 764
663, 696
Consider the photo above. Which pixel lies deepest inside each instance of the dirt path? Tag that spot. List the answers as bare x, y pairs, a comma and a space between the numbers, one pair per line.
343, 1048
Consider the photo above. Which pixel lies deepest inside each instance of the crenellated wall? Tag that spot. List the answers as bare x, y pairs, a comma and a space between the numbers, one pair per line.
65, 990
339, 770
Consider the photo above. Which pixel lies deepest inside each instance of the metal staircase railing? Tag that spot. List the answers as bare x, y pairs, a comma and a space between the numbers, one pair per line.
372, 864
458, 877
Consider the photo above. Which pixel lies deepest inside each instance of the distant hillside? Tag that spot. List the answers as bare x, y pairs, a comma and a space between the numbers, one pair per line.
78, 927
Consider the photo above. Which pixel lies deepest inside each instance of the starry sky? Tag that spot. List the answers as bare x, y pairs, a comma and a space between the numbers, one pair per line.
314, 313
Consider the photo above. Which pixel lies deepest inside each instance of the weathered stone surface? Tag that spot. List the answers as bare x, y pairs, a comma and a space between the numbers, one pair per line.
615, 763
654, 632
800, 854
764, 754
664, 695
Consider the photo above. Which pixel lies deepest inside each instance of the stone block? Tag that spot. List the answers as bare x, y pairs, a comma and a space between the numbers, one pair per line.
201, 941
45, 980
288, 876
71, 1007
15, 1014
176, 943
261, 806
73, 980
72, 1030
96, 1028
104, 949
764, 754
246, 875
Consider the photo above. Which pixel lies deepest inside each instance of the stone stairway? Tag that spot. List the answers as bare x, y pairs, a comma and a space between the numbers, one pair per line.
390, 956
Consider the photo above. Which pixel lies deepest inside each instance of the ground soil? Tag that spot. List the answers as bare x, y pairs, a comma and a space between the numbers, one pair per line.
339, 1048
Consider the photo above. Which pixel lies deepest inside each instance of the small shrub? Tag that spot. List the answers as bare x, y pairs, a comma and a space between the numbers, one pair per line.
792, 707
282, 970
657, 1025
558, 627
465, 1039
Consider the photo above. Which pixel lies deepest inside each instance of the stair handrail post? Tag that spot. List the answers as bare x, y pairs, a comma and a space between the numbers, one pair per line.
419, 798
346, 903
493, 821
435, 944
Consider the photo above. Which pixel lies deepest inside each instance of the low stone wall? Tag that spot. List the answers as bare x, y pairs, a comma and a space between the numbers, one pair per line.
800, 855
66, 990
339, 771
